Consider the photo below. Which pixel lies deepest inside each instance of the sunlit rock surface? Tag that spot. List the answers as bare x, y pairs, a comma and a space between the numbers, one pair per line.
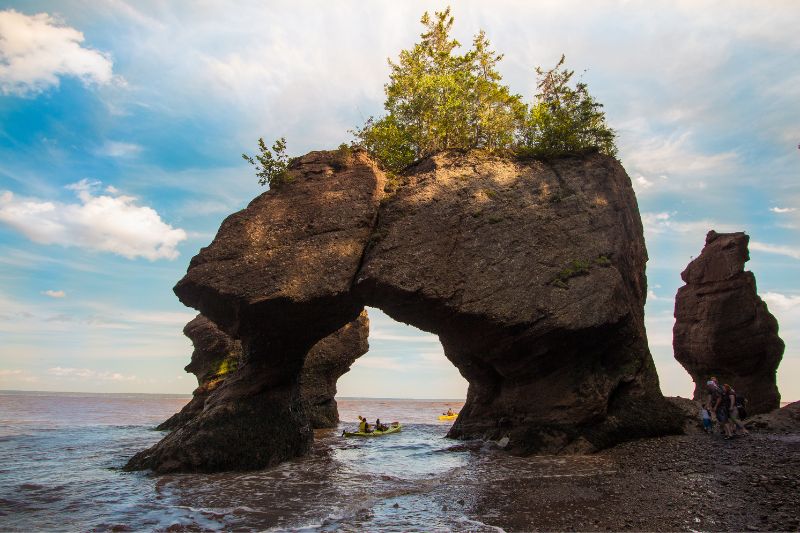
530, 272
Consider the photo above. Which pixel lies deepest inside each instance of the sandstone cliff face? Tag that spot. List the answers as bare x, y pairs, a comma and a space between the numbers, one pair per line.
722, 328
531, 273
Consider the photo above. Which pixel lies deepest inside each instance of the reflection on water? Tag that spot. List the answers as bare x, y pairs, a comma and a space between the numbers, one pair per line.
60, 457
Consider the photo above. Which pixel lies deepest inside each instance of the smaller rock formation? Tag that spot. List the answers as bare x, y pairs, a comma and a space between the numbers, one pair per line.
327, 361
690, 409
783, 420
215, 356
722, 328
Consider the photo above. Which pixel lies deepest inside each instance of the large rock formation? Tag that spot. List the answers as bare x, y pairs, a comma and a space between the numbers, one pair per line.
530, 272
278, 276
216, 356
722, 328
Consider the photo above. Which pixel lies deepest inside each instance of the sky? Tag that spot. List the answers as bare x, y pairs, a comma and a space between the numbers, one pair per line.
122, 126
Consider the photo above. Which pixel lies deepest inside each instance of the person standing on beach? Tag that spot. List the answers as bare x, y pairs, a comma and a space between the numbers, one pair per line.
705, 416
718, 406
733, 410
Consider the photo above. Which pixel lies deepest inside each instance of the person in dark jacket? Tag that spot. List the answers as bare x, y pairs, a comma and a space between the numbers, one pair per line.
718, 406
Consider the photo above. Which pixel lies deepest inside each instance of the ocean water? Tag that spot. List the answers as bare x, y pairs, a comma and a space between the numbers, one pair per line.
61, 456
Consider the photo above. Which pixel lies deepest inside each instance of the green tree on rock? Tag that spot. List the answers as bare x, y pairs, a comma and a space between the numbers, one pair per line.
564, 119
438, 100
271, 165
495, 113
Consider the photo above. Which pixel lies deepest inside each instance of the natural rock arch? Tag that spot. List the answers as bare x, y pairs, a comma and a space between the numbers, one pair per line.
531, 273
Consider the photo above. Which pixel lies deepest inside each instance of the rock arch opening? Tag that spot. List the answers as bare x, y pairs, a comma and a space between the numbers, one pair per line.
402, 362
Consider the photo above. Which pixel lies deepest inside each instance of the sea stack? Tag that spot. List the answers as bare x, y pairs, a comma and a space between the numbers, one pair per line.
722, 327
531, 272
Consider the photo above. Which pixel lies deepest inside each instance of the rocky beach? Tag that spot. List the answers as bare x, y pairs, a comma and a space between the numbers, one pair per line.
692, 482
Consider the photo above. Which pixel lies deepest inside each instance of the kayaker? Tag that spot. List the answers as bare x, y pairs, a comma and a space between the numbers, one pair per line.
363, 427
449, 412
379, 426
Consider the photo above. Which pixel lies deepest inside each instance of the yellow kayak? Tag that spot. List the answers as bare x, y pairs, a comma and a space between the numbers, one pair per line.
394, 428
448, 417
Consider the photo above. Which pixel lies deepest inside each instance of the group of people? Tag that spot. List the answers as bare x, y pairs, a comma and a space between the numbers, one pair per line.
366, 427
728, 408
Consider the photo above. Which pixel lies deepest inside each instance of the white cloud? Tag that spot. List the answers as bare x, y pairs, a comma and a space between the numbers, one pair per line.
659, 327
108, 223
788, 251
13, 378
87, 373
778, 301
119, 149
54, 294
675, 155
380, 363
653, 297
36, 50
376, 334
782, 209
665, 223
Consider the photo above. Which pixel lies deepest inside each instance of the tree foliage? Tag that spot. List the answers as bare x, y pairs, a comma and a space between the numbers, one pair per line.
564, 119
437, 99
271, 165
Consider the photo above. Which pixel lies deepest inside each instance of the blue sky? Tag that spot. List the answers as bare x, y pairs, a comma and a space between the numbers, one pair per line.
122, 125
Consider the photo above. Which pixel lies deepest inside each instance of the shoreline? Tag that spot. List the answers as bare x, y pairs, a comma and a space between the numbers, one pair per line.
685, 482
695, 482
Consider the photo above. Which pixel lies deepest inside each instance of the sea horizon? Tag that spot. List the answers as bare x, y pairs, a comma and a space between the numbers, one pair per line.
189, 395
